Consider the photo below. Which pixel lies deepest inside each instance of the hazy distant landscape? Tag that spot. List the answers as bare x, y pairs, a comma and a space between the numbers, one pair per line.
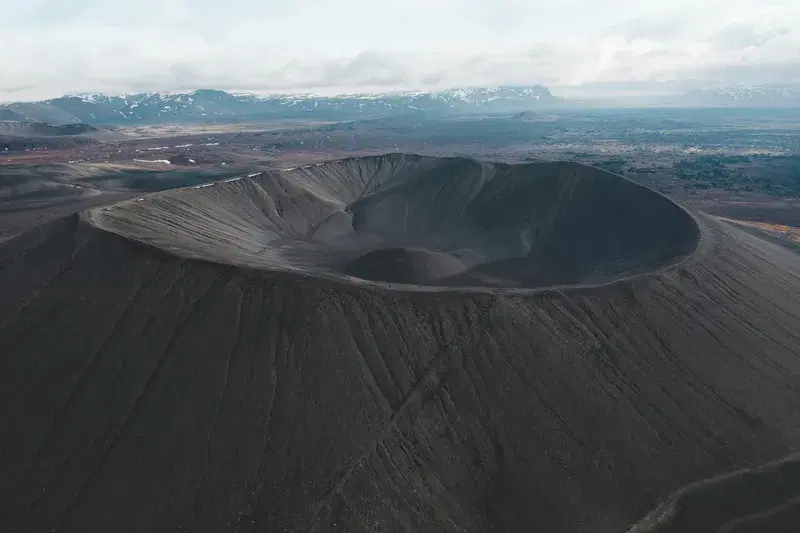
739, 157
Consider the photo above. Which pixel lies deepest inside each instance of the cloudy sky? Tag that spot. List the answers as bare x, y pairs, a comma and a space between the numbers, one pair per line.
577, 47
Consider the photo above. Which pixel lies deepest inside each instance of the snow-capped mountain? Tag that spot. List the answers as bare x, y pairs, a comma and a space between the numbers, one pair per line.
744, 96
209, 105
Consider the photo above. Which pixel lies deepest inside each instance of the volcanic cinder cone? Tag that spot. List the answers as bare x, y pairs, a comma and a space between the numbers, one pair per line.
397, 344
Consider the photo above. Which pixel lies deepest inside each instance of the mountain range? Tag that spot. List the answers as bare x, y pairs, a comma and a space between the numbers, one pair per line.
211, 105
215, 105
745, 96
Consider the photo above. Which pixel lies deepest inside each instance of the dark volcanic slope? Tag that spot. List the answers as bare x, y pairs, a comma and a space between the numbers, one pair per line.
18, 136
41, 129
764, 499
143, 390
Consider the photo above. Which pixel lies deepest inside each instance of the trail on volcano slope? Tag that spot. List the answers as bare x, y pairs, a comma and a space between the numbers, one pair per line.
148, 382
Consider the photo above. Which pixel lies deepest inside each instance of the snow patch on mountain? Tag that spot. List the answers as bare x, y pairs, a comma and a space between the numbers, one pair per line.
208, 104
747, 95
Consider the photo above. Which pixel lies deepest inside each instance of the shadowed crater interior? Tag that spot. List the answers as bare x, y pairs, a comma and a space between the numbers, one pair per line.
404, 265
437, 222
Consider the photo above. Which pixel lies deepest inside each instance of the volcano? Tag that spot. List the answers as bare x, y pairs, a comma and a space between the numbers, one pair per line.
399, 343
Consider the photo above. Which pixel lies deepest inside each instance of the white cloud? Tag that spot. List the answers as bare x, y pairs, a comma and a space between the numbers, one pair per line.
55, 46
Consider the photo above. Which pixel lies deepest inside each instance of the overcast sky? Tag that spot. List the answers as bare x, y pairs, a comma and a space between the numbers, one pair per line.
577, 47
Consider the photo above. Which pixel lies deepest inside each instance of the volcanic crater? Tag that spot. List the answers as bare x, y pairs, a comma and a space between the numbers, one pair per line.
421, 221
399, 344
